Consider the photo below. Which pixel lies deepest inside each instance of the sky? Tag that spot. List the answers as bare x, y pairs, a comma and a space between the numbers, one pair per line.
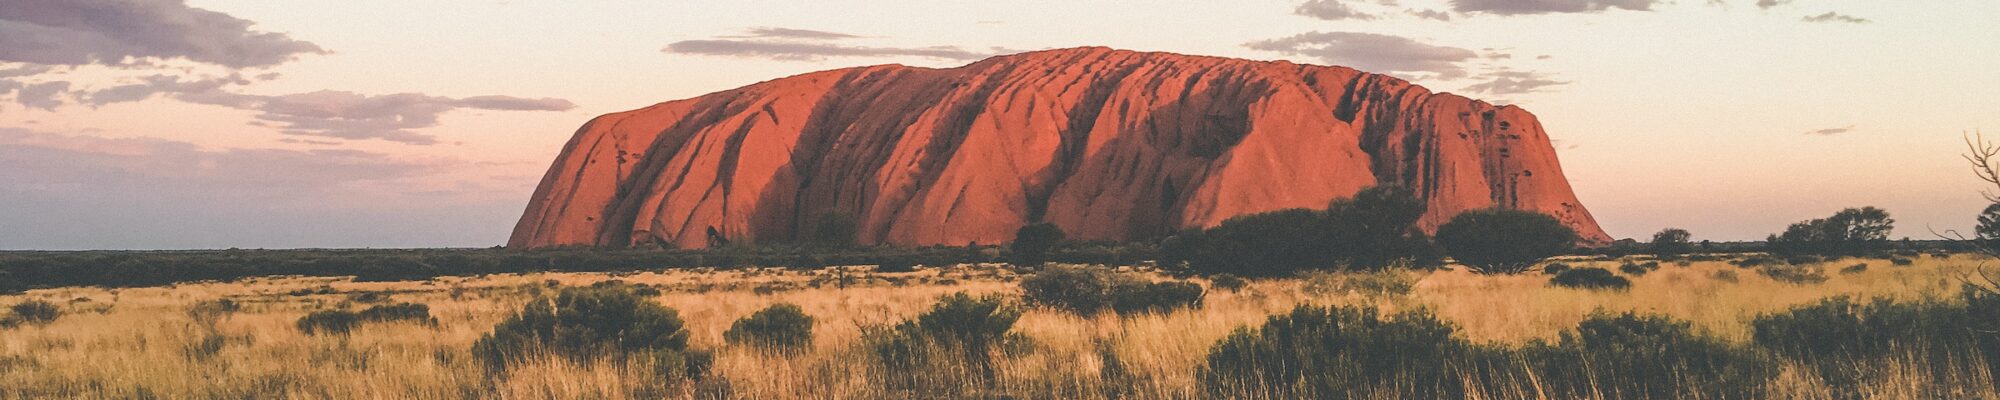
179, 124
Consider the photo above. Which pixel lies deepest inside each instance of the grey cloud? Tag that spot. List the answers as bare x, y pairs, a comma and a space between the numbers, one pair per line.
158, 84
25, 70
325, 113
349, 115
1506, 83
1331, 10
1830, 131
811, 51
511, 103
1767, 4
1372, 52
122, 32
45, 95
1525, 7
1831, 16
1430, 14
311, 142
790, 33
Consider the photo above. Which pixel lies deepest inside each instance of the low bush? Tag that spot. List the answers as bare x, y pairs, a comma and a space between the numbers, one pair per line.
1081, 290
1228, 282
1639, 269
1808, 274
32, 312
399, 312
1835, 337
1339, 353
784, 328
896, 267
368, 297
1754, 261
638, 289
1353, 353
1555, 268
1854, 269
1647, 357
587, 324
948, 350
342, 322
1154, 297
1590, 278
1901, 262
329, 322
1088, 291
1375, 283
209, 312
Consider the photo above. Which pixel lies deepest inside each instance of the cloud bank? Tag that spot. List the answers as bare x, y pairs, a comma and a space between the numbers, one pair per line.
1530, 7
122, 32
787, 44
1372, 52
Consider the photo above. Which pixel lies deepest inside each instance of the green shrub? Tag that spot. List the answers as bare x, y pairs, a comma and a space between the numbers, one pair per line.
1854, 269
947, 350
1375, 283
368, 297
1154, 297
1228, 282
1647, 357
399, 312
782, 327
209, 312
1590, 278
1754, 261
1504, 241
34, 312
586, 324
1088, 291
1343, 353
1838, 338
1902, 262
329, 322
896, 267
1339, 353
638, 289
1555, 268
1639, 269
1081, 290
1807, 274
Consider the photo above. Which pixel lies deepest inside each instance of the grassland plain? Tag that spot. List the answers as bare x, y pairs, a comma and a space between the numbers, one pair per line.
145, 343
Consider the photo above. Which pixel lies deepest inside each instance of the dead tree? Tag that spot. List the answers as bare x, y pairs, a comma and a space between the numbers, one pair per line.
1985, 159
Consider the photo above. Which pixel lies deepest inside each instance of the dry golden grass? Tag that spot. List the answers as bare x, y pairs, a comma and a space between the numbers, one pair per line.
142, 343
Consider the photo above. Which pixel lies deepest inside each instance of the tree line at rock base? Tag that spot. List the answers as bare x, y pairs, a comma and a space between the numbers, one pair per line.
1373, 230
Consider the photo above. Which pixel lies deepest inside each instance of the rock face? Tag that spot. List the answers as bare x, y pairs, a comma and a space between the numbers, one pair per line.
1106, 144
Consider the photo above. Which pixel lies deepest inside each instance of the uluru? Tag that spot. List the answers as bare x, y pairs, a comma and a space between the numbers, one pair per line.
1105, 144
